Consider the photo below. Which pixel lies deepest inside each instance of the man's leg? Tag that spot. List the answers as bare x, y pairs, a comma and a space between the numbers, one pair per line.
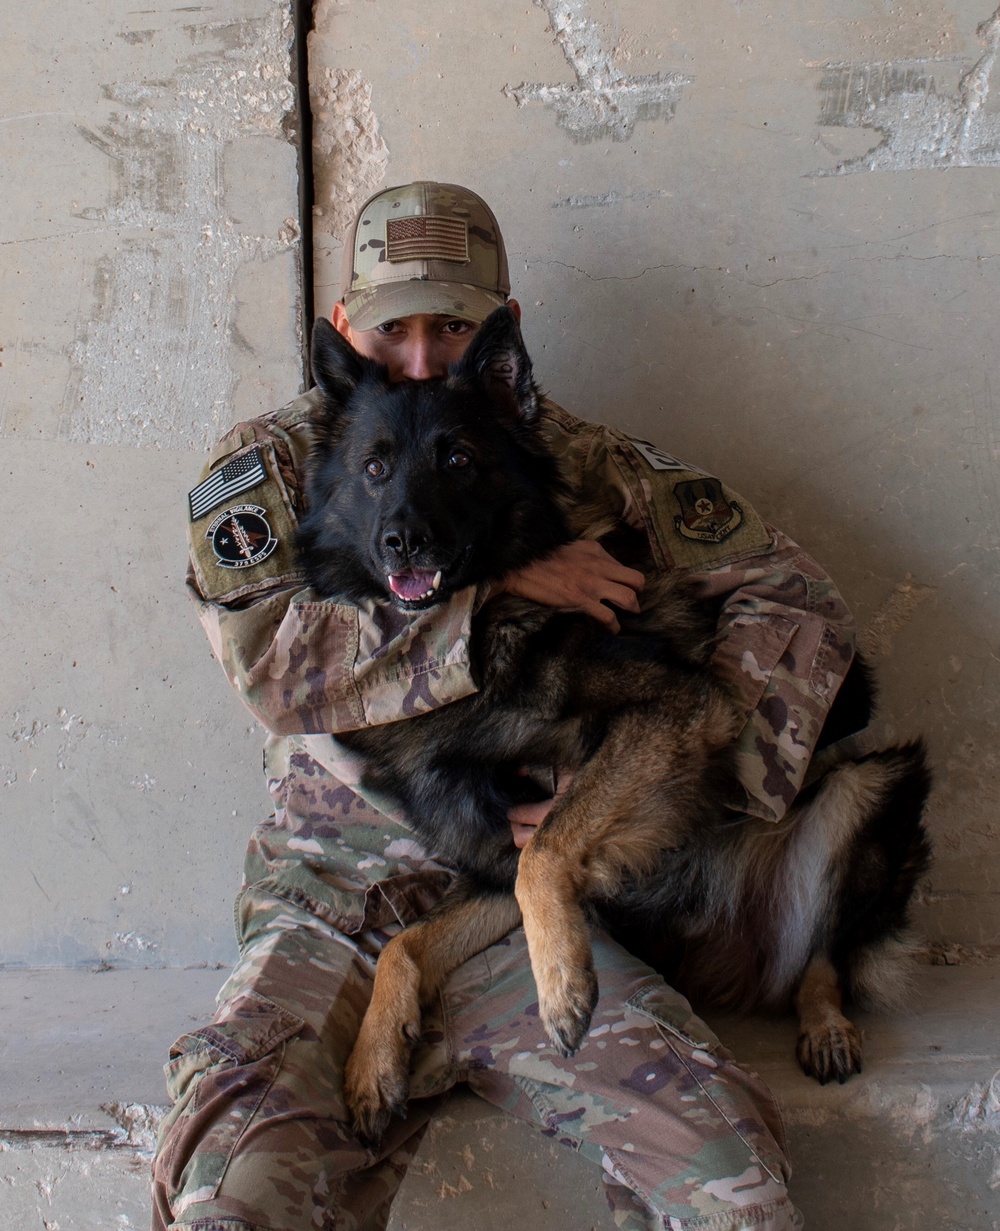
686, 1138
257, 1139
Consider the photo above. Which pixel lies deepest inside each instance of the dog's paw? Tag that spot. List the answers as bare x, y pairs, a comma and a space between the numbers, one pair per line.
377, 1082
830, 1051
566, 1008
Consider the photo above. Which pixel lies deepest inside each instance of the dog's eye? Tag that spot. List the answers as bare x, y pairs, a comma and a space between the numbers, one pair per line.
374, 468
458, 459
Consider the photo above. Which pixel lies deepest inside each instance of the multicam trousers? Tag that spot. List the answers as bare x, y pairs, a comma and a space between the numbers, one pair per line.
257, 1139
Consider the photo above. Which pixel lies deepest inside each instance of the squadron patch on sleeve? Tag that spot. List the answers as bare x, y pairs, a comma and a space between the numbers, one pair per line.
706, 515
693, 519
241, 536
241, 548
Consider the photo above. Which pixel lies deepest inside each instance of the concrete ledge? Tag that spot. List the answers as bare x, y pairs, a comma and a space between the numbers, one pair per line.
913, 1142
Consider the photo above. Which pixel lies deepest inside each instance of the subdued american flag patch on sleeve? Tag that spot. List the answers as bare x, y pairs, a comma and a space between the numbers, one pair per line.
427, 238
230, 480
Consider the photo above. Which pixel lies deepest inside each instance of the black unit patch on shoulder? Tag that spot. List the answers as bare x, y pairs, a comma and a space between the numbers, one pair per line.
230, 480
241, 536
706, 515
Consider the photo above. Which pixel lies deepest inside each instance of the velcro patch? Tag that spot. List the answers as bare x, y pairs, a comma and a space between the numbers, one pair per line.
695, 520
427, 238
706, 515
246, 546
660, 460
241, 537
230, 480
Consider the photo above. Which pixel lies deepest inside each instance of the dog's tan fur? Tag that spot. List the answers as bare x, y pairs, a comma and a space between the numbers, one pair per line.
617, 817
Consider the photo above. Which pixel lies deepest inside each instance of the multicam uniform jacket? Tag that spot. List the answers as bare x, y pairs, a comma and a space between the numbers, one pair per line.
308, 669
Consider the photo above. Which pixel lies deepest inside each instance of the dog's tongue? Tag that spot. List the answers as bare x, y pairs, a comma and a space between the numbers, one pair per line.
414, 583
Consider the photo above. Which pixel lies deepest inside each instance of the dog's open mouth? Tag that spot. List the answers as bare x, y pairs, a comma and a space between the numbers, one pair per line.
414, 585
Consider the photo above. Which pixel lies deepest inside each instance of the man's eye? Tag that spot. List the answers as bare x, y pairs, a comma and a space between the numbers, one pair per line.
458, 327
374, 468
388, 327
458, 459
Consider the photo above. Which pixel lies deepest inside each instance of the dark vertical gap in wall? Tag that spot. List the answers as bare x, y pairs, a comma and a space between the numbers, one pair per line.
302, 15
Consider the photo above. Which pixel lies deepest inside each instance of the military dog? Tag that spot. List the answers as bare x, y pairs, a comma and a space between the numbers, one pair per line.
418, 490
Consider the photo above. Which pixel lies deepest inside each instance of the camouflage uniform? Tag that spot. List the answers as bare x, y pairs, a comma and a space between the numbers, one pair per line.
257, 1135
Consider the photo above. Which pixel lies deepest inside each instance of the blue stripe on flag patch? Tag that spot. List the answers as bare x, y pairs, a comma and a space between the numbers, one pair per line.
230, 480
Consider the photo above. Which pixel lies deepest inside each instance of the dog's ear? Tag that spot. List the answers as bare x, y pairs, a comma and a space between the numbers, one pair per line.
498, 362
337, 367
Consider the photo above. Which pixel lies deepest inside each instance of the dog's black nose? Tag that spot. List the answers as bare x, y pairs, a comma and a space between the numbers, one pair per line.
405, 541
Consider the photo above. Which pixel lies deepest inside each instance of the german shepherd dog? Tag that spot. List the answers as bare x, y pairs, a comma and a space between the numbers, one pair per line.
417, 490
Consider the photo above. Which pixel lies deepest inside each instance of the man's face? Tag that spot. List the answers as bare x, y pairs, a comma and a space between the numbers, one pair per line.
417, 347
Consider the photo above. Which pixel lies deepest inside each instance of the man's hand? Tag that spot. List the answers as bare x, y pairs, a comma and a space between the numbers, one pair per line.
581, 576
525, 818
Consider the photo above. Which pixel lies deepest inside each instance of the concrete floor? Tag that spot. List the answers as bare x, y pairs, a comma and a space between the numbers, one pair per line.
912, 1143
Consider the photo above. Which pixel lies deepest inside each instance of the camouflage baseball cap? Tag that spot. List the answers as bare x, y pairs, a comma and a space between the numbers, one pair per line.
423, 247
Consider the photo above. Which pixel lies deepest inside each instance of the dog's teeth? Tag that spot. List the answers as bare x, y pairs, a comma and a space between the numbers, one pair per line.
436, 582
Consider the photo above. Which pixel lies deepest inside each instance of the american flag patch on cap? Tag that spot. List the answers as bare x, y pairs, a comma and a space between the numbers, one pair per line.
237, 476
427, 238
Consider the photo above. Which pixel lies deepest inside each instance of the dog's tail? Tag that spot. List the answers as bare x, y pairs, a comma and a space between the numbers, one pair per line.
873, 945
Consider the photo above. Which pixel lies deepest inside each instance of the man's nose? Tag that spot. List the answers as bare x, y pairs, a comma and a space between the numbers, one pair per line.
421, 361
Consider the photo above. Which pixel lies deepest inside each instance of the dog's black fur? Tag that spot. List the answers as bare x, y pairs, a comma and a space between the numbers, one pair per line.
451, 477
455, 770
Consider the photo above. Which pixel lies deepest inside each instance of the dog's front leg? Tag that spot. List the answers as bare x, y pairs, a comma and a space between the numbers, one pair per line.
409, 973
555, 927
829, 1044
631, 801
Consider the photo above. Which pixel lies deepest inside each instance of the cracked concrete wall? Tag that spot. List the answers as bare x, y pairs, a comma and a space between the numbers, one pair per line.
149, 238
763, 235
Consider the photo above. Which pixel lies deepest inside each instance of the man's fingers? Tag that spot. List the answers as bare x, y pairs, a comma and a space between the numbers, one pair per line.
625, 576
623, 597
580, 576
603, 614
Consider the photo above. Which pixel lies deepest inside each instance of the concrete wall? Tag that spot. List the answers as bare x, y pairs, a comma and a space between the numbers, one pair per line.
763, 235
149, 296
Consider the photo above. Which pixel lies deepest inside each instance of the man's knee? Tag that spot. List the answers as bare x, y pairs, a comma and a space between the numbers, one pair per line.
257, 1093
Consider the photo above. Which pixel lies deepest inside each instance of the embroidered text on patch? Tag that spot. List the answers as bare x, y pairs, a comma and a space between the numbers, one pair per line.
706, 515
241, 537
427, 238
230, 480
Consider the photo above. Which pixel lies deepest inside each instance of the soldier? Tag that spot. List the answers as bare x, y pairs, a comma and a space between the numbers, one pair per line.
258, 1137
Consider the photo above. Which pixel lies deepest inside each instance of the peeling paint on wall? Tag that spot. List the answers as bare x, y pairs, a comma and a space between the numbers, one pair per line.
922, 128
143, 374
585, 201
349, 155
604, 101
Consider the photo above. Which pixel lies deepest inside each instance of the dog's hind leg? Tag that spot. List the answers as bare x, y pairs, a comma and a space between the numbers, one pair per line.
829, 1045
410, 971
868, 849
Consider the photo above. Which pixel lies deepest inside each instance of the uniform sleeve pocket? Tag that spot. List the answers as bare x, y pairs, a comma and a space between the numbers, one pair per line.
748, 654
